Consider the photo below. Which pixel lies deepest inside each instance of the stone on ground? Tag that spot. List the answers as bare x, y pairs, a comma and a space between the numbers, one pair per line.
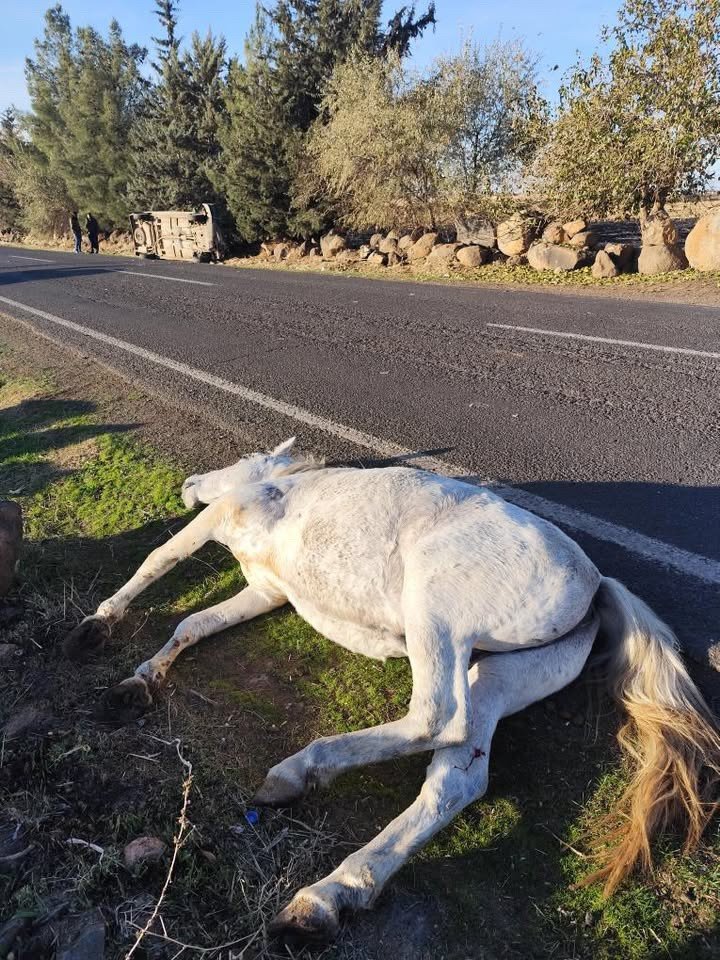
554, 233
377, 259
622, 253
388, 244
548, 256
143, 850
442, 255
585, 238
604, 267
661, 258
331, 244
475, 231
574, 226
515, 235
472, 256
81, 937
657, 229
422, 247
375, 240
702, 247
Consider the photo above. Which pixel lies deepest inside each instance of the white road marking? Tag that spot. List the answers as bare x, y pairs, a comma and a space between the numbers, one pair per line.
664, 554
660, 348
16, 256
159, 276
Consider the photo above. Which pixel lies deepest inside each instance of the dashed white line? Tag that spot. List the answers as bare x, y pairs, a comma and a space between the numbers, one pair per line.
639, 344
16, 256
664, 554
160, 276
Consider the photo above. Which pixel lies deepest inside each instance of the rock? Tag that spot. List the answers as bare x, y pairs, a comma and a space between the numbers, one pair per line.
81, 937
549, 256
281, 251
475, 231
623, 254
375, 240
702, 247
405, 241
573, 227
604, 266
143, 850
585, 238
661, 258
554, 233
347, 256
377, 259
9, 650
388, 244
364, 251
393, 259
442, 255
266, 251
298, 252
10, 931
657, 229
422, 247
472, 256
518, 261
331, 244
30, 720
515, 235
11, 531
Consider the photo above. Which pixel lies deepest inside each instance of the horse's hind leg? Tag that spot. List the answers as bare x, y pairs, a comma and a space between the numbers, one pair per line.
500, 684
90, 635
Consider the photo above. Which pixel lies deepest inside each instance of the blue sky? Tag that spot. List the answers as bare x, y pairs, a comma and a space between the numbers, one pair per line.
556, 30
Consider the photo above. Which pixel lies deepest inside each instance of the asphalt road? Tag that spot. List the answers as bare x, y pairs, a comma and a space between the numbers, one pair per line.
601, 414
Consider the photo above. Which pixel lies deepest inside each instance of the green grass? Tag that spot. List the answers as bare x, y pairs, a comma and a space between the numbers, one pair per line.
504, 874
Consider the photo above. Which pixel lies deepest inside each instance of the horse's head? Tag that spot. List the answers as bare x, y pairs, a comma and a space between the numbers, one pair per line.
206, 487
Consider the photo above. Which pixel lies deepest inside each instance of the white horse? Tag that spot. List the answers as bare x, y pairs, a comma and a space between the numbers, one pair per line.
397, 562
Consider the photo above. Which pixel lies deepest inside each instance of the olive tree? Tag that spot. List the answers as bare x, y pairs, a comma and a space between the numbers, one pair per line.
394, 147
640, 123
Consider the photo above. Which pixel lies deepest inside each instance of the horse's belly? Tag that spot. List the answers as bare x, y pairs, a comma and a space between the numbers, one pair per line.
371, 641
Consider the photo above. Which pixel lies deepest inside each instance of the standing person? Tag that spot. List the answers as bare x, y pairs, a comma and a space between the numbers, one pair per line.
75, 227
91, 225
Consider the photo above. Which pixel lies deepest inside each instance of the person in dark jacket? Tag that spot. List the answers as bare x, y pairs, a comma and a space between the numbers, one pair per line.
75, 227
91, 225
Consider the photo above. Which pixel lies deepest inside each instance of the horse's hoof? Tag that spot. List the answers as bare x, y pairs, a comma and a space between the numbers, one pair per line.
278, 791
87, 639
126, 701
306, 919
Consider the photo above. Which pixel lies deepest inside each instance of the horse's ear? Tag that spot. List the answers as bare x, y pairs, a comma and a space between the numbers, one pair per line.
285, 447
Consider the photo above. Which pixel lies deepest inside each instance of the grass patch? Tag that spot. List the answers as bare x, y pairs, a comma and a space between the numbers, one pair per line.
501, 876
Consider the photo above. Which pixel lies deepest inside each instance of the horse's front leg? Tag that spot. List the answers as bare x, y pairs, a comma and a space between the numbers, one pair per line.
438, 716
89, 636
130, 698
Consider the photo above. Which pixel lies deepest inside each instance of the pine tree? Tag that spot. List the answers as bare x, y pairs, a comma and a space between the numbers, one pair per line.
175, 142
273, 99
9, 145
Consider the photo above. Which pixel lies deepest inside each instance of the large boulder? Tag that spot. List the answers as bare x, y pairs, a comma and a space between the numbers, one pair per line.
422, 247
574, 226
585, 238
622, 254
388, 244
11, 531
406, 241
281, 251
702, 247
472, 256
375, 240
475, 231
377, 259
442, 255
657, 229
604, 267
515, 235
331, 245
554, 233
661, 258
550, 256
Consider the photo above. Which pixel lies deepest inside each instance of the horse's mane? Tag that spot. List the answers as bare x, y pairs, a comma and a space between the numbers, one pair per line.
303, 464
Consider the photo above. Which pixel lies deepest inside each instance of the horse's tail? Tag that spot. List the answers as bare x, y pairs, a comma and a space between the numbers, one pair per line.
670, 736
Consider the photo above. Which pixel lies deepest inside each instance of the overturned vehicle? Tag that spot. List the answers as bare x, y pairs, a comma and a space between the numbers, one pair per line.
178, 234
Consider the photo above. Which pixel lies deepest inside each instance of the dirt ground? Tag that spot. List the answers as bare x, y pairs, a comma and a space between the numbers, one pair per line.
97, 464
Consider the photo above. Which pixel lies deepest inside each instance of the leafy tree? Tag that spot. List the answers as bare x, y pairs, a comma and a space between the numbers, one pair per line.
641, 123
175, 142
393, 148
275, 96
